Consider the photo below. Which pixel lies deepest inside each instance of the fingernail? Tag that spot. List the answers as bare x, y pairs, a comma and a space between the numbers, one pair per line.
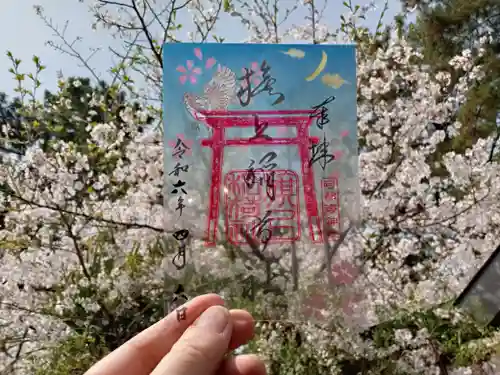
215, 318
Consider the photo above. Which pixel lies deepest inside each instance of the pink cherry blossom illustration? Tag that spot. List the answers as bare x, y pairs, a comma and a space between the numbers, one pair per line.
181, 146
338, 154
255, 75
344, 273
344, 133
210, 61
189, 72
198, 54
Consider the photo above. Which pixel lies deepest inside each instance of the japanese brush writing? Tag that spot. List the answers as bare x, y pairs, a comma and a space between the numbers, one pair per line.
181, 236
266, 173
261, 230
321, 112
179, 260
331, 206
320, 151
247, 91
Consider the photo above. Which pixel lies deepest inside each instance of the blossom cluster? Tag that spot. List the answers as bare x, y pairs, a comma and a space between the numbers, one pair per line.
82, 221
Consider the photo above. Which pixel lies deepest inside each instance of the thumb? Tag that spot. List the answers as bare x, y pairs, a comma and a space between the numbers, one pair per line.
201, 348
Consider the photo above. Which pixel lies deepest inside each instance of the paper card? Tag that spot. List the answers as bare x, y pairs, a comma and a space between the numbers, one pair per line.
261, 155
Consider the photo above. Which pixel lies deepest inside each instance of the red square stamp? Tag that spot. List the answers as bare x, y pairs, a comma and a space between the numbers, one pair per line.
267, 209
330, 205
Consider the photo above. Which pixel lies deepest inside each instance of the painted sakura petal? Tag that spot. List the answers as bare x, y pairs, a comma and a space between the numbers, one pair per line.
210, 62
256, 81
338, 154
198, 54
255, 66
196, 71
183, 79
189, 64
180, 136
181, 69
244, 84
344, 133
192, 79
335, 174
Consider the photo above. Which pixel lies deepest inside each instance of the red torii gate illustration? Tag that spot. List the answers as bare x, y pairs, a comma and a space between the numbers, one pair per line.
219, 121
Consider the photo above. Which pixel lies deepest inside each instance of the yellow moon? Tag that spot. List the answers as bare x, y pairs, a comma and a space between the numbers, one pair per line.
319, 69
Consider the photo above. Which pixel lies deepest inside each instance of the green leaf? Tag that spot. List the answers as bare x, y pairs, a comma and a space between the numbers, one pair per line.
227, 5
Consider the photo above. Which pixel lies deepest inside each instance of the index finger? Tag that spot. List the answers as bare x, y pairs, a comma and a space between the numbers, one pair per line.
141, 354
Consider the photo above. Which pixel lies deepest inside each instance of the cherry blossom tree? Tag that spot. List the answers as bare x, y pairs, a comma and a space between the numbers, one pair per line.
84, 263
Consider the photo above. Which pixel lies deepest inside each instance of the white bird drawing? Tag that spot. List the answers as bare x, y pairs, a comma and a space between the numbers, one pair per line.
218, 94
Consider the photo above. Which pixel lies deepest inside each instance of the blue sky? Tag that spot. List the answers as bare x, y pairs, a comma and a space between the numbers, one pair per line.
20, 15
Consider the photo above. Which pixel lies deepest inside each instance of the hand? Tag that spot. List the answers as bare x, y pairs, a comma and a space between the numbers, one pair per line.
196, 345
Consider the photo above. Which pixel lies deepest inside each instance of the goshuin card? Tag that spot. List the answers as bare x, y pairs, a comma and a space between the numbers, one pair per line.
261, 153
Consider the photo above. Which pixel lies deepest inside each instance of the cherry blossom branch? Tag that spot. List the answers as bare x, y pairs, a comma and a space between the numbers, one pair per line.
146, 32
81, 261
208, 21
454, 216
89, 217
170, 22
70, 49
269, 13
21, 344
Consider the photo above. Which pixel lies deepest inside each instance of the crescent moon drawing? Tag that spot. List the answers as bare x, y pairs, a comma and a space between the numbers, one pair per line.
319, 69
